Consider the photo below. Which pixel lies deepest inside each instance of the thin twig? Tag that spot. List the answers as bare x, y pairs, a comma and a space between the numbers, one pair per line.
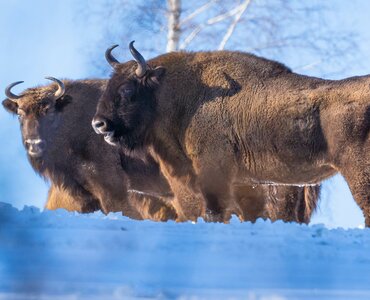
190, 37
197, 12
209, 22
308, 66
226, 15
232, 26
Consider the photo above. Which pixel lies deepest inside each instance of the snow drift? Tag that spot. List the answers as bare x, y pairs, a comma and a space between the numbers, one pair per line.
61, 255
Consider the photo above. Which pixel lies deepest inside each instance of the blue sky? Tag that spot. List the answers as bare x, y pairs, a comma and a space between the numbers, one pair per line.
41, 38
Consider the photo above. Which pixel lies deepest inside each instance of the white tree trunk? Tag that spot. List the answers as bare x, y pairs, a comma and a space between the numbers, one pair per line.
173, 36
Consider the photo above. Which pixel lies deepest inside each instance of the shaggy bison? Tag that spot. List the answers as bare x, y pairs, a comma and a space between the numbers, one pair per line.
87, 174
214, 121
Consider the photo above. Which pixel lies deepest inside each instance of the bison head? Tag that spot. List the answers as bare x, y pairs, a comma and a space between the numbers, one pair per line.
127, 107
37, 110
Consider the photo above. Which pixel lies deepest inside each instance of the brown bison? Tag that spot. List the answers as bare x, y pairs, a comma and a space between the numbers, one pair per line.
214, 119
87, 174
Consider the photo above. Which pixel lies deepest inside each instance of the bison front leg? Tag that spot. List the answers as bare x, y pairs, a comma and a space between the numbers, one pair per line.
215, 173
200, 197
214, 211
252, 201
216, 182
188, 201
216, 191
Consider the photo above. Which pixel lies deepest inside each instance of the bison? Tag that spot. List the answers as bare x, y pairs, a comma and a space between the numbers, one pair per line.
213, 119
86, 174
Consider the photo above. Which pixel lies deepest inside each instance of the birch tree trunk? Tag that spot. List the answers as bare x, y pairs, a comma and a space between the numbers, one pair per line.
173, 36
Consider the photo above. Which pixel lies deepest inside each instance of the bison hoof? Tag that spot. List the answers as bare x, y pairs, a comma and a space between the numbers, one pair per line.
211, 216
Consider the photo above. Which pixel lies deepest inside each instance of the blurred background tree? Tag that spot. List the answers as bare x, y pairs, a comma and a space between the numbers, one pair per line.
276, 29
68, 38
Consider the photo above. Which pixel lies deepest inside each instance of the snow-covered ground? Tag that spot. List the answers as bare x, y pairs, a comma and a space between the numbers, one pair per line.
60, 255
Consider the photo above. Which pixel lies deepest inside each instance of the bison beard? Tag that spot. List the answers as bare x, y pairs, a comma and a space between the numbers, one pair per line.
85, 173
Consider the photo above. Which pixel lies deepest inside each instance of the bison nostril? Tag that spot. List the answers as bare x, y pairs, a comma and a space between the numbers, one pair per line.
100, 125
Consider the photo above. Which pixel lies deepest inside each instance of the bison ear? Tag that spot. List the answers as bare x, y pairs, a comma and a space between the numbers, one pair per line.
62, 102
153, 77
10, 106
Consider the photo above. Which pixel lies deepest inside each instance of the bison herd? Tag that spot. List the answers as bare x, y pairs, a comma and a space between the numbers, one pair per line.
202, 134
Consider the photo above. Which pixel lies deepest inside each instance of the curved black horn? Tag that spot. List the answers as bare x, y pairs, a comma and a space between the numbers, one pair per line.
141, 63
9, 93
61, 88
109, 57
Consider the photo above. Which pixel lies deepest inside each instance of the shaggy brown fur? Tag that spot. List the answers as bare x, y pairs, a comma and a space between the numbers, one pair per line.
86, 173
141, 206
58, 197
213, 119
287, 203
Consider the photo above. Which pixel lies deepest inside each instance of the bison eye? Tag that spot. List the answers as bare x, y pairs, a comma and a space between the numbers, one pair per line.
21, 118
50, 114
45, 106
21, 113
126, 91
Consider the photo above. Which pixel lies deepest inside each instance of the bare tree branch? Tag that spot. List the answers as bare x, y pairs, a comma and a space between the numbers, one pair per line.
231, 29
197, 12
226, 15
308, 66
270, 28
210, 22
191, 36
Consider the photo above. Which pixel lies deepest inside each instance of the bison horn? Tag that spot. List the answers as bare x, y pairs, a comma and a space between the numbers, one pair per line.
61, 88
109, 57
9, 93
141, 63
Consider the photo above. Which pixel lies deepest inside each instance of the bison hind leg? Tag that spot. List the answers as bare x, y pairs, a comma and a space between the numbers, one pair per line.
292, 203
359, 184
356, 171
